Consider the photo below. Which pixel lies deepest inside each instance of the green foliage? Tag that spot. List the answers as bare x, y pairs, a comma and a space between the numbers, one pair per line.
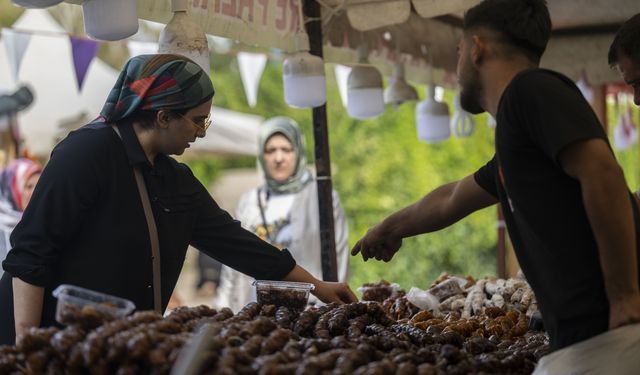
628, 159
383, 167
379, 166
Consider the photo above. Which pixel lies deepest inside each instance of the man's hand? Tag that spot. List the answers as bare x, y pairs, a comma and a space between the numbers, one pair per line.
377, 244
624, 311
442, 207
329, 292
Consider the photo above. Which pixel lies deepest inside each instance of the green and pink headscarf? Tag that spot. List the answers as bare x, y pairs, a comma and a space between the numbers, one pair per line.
154, 82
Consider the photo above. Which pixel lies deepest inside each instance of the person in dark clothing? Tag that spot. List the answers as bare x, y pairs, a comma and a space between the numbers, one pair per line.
624, 54
567, 208
86, 222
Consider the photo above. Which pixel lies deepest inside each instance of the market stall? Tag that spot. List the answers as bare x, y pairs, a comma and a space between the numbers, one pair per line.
465, 326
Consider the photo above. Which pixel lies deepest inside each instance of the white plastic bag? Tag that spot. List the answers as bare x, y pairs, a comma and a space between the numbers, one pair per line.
613, 352
423, 299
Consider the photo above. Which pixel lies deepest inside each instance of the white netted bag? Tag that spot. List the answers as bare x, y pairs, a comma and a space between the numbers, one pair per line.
423, 299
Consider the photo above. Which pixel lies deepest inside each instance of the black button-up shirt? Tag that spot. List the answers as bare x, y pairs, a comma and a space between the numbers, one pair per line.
85, 225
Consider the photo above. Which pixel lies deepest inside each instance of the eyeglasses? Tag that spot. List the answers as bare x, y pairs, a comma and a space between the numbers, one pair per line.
203, 127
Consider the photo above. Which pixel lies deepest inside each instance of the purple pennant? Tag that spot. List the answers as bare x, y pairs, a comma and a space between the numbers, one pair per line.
83, 50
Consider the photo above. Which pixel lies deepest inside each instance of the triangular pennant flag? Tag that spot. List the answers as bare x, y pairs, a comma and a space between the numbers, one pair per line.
83, 50
342, 75
251, 67
16, 43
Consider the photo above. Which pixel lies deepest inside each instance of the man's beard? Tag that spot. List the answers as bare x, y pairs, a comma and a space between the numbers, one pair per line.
470, 94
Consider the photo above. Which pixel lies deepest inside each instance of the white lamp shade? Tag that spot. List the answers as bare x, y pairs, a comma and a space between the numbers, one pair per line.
365, 103
365, 98
36, 3
182, 36
305, 91
399, 91
432, 121
110, 19
304, 80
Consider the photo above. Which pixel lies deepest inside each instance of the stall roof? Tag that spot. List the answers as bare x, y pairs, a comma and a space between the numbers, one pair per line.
583, 30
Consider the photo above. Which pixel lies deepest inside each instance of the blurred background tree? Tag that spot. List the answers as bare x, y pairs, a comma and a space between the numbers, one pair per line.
380, 166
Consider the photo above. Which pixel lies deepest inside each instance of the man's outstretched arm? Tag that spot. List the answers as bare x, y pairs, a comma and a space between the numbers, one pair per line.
442, 207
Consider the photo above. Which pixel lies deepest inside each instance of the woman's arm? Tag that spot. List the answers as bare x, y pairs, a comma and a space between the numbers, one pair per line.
27, 306
326, 291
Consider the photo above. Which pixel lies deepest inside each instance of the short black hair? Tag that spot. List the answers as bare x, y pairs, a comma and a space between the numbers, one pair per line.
626, 41
524, 24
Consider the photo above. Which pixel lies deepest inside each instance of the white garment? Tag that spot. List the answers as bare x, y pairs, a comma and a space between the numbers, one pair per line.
612, 352
296, 228
9, 218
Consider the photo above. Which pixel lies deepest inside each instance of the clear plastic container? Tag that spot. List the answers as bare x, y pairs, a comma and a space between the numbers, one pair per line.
290, 294
378, 292
75, 303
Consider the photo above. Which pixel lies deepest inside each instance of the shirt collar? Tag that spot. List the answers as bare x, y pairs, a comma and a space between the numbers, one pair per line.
132, 145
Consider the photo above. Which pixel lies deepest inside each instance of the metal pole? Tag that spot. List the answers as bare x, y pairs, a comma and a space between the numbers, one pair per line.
311, 10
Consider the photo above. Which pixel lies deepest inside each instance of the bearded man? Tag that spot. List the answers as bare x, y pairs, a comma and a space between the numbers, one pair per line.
567, 208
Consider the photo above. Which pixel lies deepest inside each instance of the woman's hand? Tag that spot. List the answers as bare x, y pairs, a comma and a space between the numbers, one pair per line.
326, 291
329, 292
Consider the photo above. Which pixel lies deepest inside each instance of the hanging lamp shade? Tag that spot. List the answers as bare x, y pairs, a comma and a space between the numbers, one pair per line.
183, 36
399, 91
110, 19
432, 119
36, 3
303, 77
462, 123
365, 98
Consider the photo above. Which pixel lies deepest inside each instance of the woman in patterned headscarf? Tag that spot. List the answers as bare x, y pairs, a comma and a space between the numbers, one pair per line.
284, 211
86, 224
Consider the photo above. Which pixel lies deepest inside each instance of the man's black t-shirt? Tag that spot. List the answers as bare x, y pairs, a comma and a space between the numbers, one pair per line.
540, 113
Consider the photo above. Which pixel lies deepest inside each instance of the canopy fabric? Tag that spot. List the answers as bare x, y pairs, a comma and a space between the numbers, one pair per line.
231, 133
582, 30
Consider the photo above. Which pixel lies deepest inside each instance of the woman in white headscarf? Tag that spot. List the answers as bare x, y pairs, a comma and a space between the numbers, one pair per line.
284, 211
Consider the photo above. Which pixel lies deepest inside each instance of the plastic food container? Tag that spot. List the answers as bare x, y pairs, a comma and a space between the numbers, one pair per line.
283, 293
377, 292
76, 303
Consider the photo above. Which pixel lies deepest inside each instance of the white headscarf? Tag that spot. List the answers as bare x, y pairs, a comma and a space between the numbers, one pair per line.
289, 128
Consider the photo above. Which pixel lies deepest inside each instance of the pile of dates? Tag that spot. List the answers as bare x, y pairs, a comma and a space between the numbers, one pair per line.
358, 338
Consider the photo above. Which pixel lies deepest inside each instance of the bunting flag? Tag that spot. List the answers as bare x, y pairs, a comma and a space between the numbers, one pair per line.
83, 50
16, 43
251, 67
342, 75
